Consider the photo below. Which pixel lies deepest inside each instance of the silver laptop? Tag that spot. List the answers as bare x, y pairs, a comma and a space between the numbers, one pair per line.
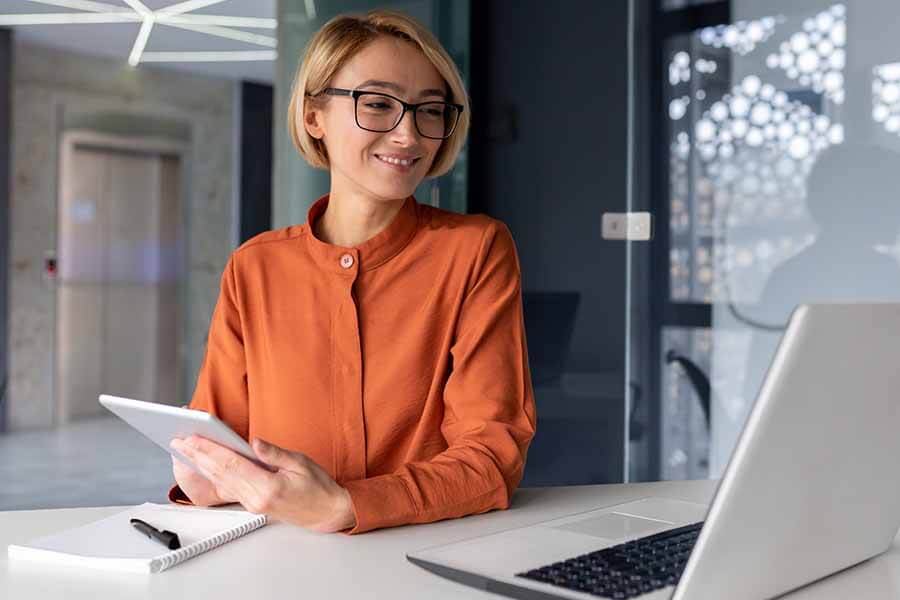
812, 487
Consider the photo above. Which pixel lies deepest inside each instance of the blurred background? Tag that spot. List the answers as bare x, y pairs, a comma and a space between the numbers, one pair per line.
142, 141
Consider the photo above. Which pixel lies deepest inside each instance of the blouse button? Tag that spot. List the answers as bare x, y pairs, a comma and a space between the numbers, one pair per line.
346, 261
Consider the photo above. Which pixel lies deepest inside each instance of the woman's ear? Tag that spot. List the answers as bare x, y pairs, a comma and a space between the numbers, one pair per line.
312, 122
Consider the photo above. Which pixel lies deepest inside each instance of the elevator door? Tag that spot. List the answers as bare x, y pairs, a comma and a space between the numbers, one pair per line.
117, 292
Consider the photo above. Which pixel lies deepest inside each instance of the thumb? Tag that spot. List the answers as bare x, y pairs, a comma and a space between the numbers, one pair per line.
272, 454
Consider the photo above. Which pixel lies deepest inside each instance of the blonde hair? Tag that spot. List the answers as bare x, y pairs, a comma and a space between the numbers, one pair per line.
339, 40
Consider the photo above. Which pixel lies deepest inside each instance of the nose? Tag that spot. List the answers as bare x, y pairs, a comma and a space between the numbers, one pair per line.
405, 132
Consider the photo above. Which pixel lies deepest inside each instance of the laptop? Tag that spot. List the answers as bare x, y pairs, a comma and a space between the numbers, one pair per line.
812, 487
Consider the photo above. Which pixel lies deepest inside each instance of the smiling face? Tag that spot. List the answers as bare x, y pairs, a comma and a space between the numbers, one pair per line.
377, 165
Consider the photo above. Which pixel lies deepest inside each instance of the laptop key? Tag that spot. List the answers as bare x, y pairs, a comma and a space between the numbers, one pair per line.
627, 570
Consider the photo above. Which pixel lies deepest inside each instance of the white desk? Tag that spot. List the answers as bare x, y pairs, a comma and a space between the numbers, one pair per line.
282, 561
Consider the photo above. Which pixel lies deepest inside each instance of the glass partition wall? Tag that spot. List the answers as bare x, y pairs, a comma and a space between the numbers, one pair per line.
775, 175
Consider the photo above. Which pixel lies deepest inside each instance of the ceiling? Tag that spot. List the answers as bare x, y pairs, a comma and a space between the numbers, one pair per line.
118, 39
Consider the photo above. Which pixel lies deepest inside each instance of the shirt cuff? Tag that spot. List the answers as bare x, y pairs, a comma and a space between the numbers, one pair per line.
382, 501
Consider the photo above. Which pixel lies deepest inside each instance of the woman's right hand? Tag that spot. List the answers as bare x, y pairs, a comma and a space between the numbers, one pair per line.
195, 486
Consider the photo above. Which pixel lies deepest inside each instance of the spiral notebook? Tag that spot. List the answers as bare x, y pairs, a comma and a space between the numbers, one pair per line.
113, 544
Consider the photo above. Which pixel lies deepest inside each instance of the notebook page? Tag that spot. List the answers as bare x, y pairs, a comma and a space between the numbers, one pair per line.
115, 538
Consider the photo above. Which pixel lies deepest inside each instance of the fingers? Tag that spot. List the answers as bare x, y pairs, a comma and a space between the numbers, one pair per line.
230, 472
183, 471
280, 458
300, 492
195, 486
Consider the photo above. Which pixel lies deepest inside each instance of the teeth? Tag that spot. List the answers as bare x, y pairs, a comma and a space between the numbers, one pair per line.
395, 161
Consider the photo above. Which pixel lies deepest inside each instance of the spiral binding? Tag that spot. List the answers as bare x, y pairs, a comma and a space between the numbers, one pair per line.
182, 554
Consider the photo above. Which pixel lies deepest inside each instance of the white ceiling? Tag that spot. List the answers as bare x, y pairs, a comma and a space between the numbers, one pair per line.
117, 39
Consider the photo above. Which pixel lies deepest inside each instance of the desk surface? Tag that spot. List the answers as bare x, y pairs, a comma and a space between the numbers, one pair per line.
283, 561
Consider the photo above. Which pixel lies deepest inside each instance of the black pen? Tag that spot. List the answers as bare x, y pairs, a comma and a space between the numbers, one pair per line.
166, 538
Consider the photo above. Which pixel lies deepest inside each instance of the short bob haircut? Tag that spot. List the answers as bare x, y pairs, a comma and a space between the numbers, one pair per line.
339, 40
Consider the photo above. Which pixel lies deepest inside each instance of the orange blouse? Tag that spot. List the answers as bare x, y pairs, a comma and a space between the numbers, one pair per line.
399, 366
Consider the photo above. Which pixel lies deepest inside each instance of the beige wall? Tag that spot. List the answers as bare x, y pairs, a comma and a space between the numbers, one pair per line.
49, 86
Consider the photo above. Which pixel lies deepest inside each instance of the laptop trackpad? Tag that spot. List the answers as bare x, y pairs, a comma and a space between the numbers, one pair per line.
615, 526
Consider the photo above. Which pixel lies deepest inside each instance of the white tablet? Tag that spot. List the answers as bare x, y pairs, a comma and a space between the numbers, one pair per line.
162, 423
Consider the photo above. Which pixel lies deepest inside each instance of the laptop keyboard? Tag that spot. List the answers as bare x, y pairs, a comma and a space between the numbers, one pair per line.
627, 570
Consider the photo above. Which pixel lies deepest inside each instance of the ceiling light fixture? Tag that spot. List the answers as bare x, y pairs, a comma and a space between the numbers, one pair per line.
224, 56
225, 21
139, 8
190, 5
69, 18
310, 6
88, 5
141, 42
227, 33
176, 15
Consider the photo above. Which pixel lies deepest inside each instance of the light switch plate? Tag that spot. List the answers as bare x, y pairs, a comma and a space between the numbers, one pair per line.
633, 226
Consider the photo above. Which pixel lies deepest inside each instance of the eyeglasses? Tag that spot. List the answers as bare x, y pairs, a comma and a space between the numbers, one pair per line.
382, 112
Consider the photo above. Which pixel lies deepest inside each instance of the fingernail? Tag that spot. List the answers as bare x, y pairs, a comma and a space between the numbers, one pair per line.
175, 444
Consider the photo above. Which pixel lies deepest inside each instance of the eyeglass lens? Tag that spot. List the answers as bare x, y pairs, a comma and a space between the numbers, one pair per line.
382, 113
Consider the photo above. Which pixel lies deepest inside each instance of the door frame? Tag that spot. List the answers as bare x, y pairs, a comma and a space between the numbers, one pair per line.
6, 50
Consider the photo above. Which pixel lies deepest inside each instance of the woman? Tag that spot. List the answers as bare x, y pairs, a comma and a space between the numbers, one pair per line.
378, 349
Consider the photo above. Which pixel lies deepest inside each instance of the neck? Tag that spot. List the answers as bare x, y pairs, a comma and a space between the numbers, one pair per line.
351, 219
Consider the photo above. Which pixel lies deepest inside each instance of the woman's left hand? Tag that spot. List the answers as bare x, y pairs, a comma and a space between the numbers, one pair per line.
298, 491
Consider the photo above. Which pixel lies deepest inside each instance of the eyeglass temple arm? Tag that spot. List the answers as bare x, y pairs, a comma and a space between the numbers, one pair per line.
337, 92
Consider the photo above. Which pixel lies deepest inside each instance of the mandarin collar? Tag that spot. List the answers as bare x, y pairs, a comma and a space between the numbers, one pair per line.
371, 253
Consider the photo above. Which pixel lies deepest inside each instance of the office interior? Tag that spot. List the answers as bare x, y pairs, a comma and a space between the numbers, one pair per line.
759, 135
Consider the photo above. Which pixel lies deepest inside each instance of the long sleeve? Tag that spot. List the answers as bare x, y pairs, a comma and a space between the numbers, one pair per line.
489, 415
222, 380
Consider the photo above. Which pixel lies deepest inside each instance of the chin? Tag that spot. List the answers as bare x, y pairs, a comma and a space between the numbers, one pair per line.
392, 186
393, 192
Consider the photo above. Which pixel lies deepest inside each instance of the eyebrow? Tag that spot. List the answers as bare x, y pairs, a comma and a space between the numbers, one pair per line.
396, 88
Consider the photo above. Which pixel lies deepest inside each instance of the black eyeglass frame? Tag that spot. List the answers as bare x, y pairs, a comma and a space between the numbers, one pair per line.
355, 94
